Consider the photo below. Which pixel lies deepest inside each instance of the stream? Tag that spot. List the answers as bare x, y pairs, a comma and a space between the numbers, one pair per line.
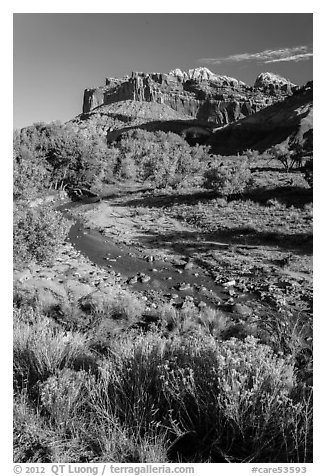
128, 262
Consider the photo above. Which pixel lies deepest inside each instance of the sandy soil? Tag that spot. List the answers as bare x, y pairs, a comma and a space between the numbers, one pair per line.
278, 276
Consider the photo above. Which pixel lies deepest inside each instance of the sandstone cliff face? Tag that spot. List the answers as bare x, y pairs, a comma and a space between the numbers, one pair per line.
92, 99
273, 84
198, 93
286, 122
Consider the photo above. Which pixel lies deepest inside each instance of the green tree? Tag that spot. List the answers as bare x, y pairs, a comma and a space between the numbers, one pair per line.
30, 175
37, 233
69, 156
159, 157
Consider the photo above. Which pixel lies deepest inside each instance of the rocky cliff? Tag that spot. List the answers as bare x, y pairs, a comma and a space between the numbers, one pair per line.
274, 84
198, 93
287, 122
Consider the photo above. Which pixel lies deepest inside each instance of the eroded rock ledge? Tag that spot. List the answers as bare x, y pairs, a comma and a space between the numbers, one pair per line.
198, 93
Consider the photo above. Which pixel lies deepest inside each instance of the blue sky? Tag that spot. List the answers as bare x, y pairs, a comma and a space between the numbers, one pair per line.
57, 56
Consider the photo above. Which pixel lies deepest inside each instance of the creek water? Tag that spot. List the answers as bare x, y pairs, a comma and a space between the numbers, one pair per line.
165, 277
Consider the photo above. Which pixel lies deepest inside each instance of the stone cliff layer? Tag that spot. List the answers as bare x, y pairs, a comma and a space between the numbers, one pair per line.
200, 94
286, 122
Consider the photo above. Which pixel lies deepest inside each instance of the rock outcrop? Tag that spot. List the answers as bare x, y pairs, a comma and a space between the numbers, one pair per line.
286, 122
198, 93
271, 83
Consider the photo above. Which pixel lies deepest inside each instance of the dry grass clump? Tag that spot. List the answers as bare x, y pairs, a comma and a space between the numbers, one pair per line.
155, 396
233, 397
31, 436
190, 320
41, 348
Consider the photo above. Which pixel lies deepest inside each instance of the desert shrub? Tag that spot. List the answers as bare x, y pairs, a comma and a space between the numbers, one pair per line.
30, 175
109, 164
115, 440
190, 321
290, 334
281, 153
41, 348
228, 179
37, 233
125, 167
159, 157
238, 400
31, 438
64, 428
234, 396
57, 155
168, 317
289, 155
117, 306
109, 315
61, 396
212, 321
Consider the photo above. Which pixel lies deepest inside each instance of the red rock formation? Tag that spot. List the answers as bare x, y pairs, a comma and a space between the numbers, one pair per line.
199, 93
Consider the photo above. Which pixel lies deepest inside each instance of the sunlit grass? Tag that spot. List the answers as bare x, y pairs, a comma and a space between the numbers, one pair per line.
149, 391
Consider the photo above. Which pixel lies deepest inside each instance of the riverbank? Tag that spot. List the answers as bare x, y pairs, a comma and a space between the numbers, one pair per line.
164, 376
206, 238
172, 249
